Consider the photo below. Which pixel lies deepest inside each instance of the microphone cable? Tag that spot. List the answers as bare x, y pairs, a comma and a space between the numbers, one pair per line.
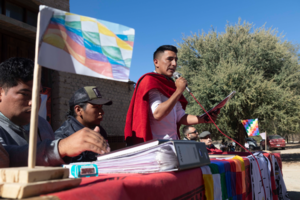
232, 140
177, 75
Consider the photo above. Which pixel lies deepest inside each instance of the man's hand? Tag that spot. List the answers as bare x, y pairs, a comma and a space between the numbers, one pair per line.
193, 119
213, 115
180, 84
83, 140
164, 108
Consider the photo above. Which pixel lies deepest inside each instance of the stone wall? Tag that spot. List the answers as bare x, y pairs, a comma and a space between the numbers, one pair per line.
65, 84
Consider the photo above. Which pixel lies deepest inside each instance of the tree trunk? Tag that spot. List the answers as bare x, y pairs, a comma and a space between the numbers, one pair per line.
240, 138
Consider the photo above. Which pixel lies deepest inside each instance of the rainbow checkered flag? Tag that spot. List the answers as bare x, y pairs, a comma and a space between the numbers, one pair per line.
251, 126
84, 45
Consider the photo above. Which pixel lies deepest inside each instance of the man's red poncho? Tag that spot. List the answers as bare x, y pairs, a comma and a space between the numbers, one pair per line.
137, 127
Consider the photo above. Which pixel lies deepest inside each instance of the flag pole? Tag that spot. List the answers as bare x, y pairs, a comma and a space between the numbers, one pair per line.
35, 102
266, 142
42, 179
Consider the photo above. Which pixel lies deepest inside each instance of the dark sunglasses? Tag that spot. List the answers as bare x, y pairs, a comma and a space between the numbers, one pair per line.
194, 132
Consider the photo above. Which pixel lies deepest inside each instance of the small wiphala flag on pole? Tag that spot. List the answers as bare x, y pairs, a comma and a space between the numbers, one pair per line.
251, 126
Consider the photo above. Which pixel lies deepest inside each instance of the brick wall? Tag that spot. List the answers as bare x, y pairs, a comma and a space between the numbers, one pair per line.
65, 84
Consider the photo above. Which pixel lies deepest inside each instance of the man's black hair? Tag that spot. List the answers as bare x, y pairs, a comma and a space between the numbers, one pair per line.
186, 129
15, 70
72, 111
164, 48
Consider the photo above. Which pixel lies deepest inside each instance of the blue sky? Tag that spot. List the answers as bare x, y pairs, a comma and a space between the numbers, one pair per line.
159, 22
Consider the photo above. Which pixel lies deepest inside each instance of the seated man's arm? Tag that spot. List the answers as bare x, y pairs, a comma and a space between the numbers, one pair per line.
164, 108
53, 153
46, 154
83, 140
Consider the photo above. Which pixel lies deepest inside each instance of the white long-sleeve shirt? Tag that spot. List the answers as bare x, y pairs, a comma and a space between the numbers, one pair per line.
166, 128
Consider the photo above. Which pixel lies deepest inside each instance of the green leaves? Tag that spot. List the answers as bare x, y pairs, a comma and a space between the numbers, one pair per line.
258, 64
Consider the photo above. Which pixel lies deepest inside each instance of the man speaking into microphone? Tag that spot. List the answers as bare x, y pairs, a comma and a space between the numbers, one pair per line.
157, 107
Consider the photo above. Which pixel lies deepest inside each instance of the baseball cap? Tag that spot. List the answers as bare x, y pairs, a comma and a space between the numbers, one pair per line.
204, 134
88, 94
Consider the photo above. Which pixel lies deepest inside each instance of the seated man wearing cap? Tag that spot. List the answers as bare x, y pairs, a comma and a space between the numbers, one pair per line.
190, 133
205, 138
85, 111
16, 81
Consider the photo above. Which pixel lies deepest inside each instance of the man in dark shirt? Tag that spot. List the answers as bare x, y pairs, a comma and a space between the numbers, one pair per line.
206, 138
85, 111
16, 82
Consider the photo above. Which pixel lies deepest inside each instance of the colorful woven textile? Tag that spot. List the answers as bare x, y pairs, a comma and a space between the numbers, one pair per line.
224, 171
248, 180
242, 164
236, 167
84, 45
217, 181
236, 176
208, 182
251, 126
248, 193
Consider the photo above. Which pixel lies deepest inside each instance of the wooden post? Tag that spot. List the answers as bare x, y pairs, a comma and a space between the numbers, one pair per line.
266, 142
23, 182
35, 102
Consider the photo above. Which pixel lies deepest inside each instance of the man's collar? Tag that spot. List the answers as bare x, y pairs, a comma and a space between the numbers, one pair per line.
168, 78
76, 122
3, 117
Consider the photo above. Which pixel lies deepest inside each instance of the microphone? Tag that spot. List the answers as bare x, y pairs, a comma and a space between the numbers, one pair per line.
176, 75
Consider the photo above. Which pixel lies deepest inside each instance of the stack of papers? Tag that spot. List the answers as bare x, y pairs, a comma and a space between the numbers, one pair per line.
154, 159
148, 157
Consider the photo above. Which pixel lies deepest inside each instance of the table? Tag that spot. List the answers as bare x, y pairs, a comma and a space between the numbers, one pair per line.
179, 185
186, 184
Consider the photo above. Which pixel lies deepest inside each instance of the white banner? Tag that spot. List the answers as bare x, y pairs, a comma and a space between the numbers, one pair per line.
43, 107
263, 135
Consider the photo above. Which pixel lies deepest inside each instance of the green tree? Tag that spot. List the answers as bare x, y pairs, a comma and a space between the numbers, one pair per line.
256, 63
